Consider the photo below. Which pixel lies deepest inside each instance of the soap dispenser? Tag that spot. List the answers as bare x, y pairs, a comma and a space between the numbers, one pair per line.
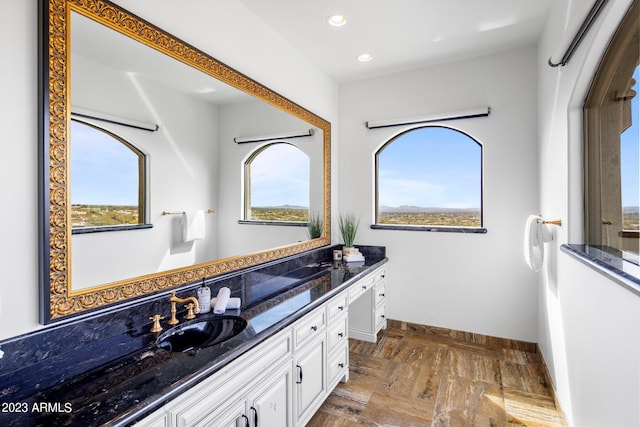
204, 298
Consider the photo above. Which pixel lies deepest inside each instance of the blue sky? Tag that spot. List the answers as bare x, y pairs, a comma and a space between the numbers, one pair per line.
280, 176
430, 167
630, 157
102, 173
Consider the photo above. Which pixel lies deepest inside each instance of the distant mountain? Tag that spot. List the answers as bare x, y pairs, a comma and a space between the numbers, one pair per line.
419, 209
631, 210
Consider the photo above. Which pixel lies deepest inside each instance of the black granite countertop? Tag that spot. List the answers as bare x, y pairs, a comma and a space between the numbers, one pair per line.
127, 389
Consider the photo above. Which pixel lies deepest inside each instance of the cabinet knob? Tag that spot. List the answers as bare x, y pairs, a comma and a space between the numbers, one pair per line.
364, 286
314, 327
382, 315
381, 295
341, 365
340, 308
340, 334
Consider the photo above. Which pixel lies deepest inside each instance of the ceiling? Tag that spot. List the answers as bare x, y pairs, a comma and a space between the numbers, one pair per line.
401, 34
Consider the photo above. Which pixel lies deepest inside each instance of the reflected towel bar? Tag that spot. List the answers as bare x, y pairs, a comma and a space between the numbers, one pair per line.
180, 213
283, 135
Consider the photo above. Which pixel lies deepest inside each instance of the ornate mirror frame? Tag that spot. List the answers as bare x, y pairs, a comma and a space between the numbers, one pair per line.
57, 299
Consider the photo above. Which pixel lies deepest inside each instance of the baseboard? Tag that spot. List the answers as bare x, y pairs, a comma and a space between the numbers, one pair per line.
463, 336
549, 380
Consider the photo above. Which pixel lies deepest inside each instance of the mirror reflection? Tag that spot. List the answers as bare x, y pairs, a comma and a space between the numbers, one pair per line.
150, 135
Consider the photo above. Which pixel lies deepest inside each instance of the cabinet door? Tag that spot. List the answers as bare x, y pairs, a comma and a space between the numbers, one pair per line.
234, 416
310, 378
271, 406
157, 419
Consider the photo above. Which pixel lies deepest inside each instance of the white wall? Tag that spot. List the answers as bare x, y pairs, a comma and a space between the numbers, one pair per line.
182, 164
470, 282
237, 38
19, 172
589, 327
252, 119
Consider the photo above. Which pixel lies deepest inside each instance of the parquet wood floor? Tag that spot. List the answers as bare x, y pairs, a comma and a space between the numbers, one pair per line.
424, 376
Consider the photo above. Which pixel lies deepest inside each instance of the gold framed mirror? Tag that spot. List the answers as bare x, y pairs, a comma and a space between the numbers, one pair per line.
59, 299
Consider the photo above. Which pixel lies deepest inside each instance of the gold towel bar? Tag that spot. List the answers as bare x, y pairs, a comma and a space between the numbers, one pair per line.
180, 213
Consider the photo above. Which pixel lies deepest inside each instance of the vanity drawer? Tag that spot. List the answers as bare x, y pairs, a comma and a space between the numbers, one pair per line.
310, 327
380, 274
337, 306
360, 287
338, 365
379, 294
337, 333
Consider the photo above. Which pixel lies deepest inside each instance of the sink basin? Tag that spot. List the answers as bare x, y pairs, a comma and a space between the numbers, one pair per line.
200, 333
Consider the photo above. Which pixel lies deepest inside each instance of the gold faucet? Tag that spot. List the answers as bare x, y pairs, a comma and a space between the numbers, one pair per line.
192, 307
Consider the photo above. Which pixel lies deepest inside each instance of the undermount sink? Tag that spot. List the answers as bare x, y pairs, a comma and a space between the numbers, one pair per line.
200, 333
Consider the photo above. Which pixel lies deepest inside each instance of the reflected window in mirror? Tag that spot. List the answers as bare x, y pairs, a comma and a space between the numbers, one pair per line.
107, 180
277, 183
612, 143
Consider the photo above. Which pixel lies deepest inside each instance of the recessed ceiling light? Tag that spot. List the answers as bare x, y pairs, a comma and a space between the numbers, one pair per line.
365, 57
337, 20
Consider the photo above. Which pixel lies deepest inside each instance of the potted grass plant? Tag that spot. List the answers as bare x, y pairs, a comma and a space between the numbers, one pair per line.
315, 226
348, 224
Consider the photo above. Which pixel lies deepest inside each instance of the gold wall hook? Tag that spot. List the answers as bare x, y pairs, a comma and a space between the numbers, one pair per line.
557, 222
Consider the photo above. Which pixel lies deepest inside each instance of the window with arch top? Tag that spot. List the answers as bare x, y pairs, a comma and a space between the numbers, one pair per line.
107, 181
277, 184
430, 179
612, 146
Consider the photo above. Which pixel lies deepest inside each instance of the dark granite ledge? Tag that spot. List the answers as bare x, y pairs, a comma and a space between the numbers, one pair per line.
432, 228
106, 370
609, 262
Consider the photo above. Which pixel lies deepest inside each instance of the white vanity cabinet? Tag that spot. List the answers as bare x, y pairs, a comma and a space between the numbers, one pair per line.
266, 402
310, 362
284, 380
310, 380
272, 405
367, 306
158, 418
338, 340
227, 396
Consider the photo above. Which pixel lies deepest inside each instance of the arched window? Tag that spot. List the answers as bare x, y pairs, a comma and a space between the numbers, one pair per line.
107, 180
277, 181
430, 178
612, 145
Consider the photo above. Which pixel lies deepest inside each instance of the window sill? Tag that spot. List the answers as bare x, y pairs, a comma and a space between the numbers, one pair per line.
284, 223
102, 229
608, 262
437, 228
